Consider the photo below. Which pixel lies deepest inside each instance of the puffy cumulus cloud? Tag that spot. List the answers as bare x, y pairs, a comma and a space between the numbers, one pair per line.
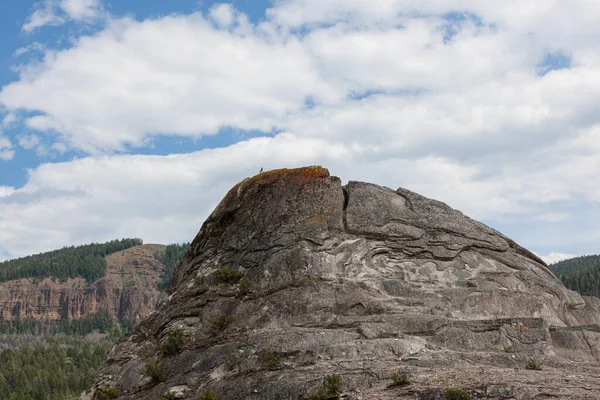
489, 106
58, 12
175, 75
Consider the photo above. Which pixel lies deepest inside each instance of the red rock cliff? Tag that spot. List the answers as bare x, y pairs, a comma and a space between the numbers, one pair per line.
127, 291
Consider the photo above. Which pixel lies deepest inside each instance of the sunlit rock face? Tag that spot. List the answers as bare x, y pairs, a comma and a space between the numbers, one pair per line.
294, 277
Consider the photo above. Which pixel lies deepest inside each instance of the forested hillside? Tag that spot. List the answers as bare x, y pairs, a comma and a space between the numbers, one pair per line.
85, 261
170, 257
581, 274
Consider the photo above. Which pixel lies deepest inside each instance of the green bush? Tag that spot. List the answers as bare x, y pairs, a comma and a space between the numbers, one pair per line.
330, 389
221, 322
174, 341
534, 365
245, 286
156, 370
226, 275
509, 348
269, 359
200, 285
456, 394
106, 394
399, 379
374, 309
230, 359
208, 395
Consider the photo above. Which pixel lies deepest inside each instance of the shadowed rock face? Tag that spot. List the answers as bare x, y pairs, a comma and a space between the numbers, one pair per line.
359, 281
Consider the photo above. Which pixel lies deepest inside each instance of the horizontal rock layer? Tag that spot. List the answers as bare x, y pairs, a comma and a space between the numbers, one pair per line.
360, 281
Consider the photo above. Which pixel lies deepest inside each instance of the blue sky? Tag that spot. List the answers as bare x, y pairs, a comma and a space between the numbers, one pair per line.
133, 118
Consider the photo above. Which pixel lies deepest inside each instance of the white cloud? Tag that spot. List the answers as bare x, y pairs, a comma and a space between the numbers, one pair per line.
553, 216
35, 46
33, 142
58, 12
8, 120
223, 15
174, 75
556, 257
6, 190
81, 9
29, 142
6, 151
44, 15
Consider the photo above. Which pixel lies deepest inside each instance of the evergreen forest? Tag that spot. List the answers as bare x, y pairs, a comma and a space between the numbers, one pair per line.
85, 261
55, 368
581, 274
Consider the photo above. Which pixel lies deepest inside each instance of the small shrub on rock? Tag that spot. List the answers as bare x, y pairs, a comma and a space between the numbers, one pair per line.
221, 322
374, 309
245, 286
200, 285
226, 275
208, 395
534, 365
174, 341
168, 396
156, 370
269, 359
510, 348
456, 394
106, 394
230, 360
330, 389
399, 379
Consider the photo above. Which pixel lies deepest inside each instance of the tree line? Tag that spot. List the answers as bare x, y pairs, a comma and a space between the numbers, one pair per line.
85, 261
581, 274
101, 322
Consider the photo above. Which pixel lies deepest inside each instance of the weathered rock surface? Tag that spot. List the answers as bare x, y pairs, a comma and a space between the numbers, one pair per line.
128, 291
359, 281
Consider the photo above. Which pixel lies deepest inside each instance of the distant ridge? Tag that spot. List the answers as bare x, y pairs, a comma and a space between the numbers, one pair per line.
86, 261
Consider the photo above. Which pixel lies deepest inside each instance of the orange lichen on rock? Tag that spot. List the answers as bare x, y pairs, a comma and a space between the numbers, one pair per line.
317, 219
296, 175
284, 177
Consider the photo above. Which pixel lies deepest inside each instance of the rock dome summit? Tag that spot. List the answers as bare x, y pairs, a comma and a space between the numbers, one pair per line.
297, 287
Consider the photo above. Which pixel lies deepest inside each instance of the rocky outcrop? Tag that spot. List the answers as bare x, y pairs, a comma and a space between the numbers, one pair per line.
128, 291
360, 281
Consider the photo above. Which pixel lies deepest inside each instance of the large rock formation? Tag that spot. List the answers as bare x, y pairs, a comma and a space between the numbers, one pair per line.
360, 281
128, 291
